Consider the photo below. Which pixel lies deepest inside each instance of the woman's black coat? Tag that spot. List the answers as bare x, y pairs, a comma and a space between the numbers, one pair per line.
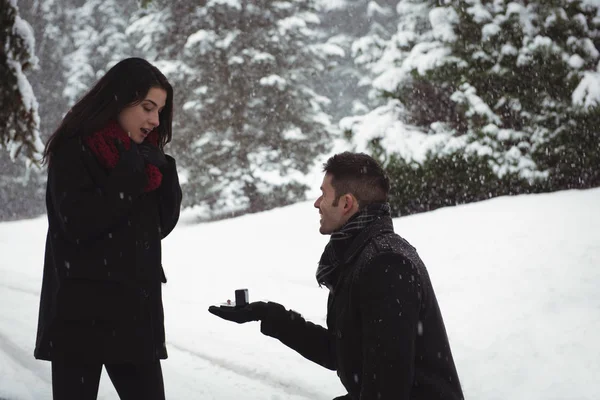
101, 290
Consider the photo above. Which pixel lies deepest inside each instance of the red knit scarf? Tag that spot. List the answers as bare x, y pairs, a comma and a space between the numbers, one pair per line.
102, 144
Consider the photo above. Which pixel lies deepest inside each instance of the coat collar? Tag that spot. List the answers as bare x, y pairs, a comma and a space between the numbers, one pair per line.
380, 226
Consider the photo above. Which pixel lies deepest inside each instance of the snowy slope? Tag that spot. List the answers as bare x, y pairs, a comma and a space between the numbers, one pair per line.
516, 277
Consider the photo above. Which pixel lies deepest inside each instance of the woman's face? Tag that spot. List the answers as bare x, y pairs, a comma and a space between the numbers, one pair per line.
139, 120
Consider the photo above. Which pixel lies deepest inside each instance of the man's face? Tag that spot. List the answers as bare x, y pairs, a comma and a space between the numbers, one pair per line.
332, 217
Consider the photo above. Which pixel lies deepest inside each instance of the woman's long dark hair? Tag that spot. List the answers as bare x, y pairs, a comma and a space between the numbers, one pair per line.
125, 84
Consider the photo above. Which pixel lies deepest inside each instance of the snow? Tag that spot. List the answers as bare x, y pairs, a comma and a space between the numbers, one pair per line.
490, 30
235, 4
543, 41
30, 105
229, 38
309, 17
576, 62
411, 143
146, 29
551, 20
393, 61
291, 23
427, 56
260, 56
175, 69
81, 73
479, 13
235, 60
423, 57
442, 21
590, 48
95, 46
331, 5
200, 41
27, 96
23, 30
516, 279
509, 50
412, 13
273, 80
422, 45
374, 9
330, 49
293, 134
467, 95
593, 3
587, 93
525, 17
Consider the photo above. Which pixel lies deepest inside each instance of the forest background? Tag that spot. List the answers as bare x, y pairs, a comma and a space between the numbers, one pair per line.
460, 100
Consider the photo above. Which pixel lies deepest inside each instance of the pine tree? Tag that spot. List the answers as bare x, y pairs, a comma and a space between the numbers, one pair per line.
357, 27
18, 106
250, 124
515, 82
52, 37
98, 40
22, 187
504, 89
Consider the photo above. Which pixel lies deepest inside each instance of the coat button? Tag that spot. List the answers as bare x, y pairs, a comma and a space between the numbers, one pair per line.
144, 293
338, 333
146, 245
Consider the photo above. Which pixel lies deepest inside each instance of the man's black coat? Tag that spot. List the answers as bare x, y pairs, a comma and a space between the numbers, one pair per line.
385, 335
101, 290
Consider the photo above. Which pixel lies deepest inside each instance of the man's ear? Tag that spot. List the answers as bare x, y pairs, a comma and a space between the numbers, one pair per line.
350, 204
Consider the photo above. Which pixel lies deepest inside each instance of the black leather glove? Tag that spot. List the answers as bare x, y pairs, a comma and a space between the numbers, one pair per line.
251, 312
132, 157
346, 397
153, 155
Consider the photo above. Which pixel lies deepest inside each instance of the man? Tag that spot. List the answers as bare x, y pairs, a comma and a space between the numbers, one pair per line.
385, 335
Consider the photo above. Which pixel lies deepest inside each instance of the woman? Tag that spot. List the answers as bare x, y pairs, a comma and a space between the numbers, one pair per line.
112, 195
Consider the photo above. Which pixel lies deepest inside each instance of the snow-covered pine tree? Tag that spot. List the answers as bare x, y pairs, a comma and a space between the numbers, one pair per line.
521, 66
568, 140
500, 98
96, 32
354, 25
250, 123
18, 106
52, 30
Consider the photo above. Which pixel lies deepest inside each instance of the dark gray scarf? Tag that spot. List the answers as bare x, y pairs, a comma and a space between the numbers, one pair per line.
328, 271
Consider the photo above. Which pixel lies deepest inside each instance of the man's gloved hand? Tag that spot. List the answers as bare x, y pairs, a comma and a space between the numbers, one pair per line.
132, 157
346, 397
251, 312
153, 155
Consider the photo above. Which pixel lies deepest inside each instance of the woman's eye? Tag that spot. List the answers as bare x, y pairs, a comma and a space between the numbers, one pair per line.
147, 109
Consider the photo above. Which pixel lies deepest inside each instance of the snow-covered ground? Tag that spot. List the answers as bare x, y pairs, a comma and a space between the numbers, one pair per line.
517, 279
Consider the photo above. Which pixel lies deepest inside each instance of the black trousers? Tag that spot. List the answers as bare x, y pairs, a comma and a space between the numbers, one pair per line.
80, 381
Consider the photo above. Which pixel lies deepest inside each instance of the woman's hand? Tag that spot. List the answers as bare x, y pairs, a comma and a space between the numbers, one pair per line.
152, 155
131, 157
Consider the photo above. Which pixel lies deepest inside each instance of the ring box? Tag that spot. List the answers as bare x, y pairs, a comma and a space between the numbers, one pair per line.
241, 297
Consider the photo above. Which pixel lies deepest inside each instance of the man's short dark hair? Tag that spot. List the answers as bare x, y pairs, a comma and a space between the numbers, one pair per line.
360, 175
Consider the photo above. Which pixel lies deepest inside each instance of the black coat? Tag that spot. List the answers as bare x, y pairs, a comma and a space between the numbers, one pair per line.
101, 291
385, 335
